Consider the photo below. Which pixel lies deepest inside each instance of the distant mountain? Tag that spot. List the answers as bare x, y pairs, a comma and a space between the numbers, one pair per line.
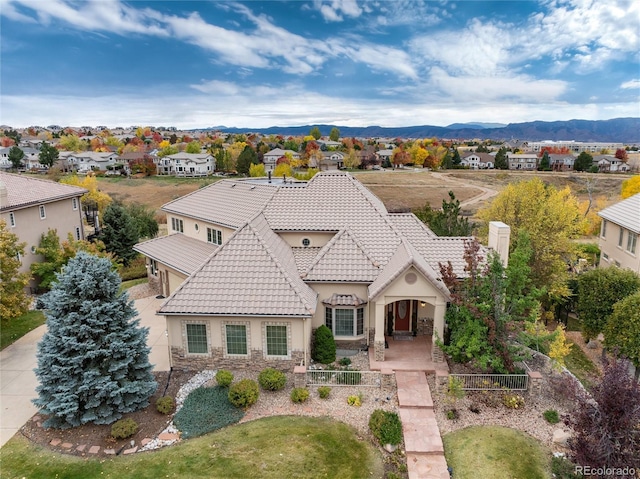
618, 130
478, 126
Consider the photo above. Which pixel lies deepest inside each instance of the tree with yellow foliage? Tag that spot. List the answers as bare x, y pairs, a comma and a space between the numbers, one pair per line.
72, 143
551, 217
13, 300
559, 348
94, 196
234, 151
283, 169
630, 187
256, 171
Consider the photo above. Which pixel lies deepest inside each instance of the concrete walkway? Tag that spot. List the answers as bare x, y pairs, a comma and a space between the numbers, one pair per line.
423, 444
18, 381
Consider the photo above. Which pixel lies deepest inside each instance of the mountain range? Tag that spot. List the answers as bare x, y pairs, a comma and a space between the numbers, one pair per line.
617, 130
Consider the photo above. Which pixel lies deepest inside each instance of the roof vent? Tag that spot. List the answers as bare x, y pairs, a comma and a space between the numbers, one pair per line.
233, 185
253, 187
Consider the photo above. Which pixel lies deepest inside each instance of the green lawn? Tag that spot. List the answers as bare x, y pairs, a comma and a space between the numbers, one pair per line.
14, 329
495, 452
274, 447
581, 366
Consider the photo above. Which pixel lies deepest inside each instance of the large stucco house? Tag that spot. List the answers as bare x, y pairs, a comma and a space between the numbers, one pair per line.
31, 206
251, 268
619, 233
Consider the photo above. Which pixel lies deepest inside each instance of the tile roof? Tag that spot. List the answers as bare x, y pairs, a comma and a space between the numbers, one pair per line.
229, 203
404, 257
344, 300
447, 248
177, 251
412, 228
194, 157
24, 191
253, 273
304, 257
342, 259
626, 213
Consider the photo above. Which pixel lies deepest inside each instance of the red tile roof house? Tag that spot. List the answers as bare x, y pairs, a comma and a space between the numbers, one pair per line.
31, 206
251, 268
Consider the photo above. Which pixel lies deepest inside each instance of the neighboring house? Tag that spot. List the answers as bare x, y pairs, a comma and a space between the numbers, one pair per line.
270, 158
86, 161
559, 162
523, 161
478, 161
367, 156
254, 267
186, 164
331, 160
385, 155
32, 206
30, 160
619, 234
609, 163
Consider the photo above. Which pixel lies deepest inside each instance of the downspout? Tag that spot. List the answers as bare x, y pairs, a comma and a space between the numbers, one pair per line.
306, 340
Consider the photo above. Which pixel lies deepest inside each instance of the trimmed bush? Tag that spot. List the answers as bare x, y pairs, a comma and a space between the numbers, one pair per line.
224, 378
165, 405
244, 393
299, 395
272, 379
354, 401
345, 362
551, 416
513, 401
324, 391
124, 428
324, 346
206, 409
452, 414
386, 427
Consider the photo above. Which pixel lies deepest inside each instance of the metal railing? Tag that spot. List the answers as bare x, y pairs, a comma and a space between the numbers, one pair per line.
344, 378
492, 382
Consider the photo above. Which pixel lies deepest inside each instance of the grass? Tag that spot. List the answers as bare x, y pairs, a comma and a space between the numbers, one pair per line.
11, 331
581, 366
494, 452
273, 447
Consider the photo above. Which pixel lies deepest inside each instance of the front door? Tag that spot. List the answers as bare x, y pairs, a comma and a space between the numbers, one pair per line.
403, 315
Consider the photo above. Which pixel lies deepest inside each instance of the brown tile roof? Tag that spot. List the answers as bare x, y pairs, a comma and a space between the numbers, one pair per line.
412, 228
24, 191
228, 202
442, 249
344, 300
342, 259
626, 213
253, 273
304, 257
177, 251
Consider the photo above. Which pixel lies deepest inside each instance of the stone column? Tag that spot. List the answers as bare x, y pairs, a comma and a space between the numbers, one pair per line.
388, 378
379, 333
535, 383
300, 376
437, 356
442, 380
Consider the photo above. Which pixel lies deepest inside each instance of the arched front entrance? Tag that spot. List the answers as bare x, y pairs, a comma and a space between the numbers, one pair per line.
408, 317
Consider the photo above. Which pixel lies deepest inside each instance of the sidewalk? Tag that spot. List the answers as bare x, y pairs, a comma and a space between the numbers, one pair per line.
18, 381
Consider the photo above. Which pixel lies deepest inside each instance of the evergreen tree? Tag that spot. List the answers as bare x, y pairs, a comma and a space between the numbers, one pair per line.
315, 132
545, 163
448, 221
48, 154
247, 158
119, 232
501, 160
93, 361
334, 134
16, 155
583, 162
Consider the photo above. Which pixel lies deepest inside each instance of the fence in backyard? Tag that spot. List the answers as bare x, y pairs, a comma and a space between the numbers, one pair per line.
344, 378
492, 382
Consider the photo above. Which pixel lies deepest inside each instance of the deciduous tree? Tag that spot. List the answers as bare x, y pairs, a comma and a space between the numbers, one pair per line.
193, 147
630, 187
622, 332
93, 360
334, 134
13, 298
257, 170
94, 196
315, 133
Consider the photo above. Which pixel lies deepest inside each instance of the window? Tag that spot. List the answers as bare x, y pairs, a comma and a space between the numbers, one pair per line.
632, 239
276, 337
12, 220
236, 339
78, 233
620, 236
196, 227
74, 203
306, 242
153, 266
605, 256
43, 213
214, 236
603, 229
345, 321
197, 338
177, 225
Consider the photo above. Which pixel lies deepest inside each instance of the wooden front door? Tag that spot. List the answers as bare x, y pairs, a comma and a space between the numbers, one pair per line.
403, 315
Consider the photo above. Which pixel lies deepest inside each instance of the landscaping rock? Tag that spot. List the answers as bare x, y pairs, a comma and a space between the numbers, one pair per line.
560, 437
593, 344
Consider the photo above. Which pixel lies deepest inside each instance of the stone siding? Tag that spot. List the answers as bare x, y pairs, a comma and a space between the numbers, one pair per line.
217, 360
425, 327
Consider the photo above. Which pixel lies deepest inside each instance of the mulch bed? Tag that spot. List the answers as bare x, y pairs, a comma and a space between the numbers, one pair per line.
71, 441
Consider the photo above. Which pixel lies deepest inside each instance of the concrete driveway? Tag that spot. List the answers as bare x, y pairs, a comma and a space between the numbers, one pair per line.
18, 381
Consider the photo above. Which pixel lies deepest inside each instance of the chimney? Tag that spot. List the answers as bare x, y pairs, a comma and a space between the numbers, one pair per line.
4, 197
499, 234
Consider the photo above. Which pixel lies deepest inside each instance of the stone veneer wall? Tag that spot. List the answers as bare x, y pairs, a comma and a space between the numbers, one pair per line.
216, 360
425, 327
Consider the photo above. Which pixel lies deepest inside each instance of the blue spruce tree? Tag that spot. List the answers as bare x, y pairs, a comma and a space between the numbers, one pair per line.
93, 361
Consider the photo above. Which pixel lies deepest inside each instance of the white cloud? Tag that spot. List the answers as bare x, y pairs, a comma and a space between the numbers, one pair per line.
631, 84
377, 57
335, 10
7, 9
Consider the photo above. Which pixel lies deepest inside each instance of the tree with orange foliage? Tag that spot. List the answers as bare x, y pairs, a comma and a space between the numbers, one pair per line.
622, 155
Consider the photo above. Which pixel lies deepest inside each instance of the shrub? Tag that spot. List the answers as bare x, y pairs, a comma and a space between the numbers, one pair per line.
165, 405
299, 395
452, 414
224, 378
134, 270
344, 362
324, 346
206, 409
324, 391
272, 379
551, 416
563, 468
474, 408
354, 401
124, 428
513, 401
386, 427
244, 393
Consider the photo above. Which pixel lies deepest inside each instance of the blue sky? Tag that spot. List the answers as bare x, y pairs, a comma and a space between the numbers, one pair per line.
346, 62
